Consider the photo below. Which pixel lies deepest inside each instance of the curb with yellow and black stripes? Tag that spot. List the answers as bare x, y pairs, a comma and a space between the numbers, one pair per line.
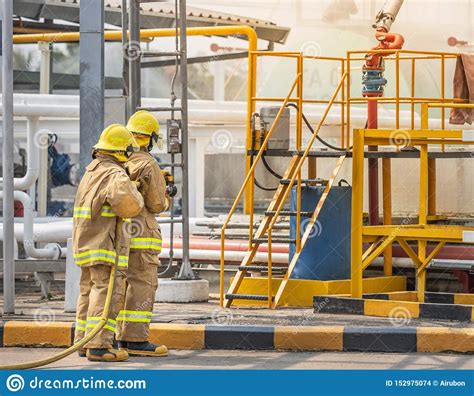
243, 337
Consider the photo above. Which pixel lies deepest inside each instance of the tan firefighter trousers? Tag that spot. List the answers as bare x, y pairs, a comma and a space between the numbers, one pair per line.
90, 305
133, 320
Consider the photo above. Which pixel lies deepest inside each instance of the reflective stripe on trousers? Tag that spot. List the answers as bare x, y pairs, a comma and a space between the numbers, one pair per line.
80, 324
102, 255
134, 316
94, 255
146, 243
93, 320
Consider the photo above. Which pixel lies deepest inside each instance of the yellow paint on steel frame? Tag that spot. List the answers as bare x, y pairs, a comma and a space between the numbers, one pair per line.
248, 177
116, 35
421, 232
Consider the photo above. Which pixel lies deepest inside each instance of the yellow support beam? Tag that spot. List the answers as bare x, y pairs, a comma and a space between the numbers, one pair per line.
357, 211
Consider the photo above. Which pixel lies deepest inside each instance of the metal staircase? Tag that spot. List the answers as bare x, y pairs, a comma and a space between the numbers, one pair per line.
264, 233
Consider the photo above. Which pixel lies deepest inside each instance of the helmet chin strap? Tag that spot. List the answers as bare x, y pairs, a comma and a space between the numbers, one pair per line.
153, 140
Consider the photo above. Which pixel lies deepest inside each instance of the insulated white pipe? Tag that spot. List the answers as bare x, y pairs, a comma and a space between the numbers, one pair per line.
35, 141
60, 229
229, 256
52, 250
201, 112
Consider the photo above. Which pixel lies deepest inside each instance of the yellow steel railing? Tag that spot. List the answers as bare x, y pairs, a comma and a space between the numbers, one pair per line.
297, 173
383, 236
249, 177
299, 100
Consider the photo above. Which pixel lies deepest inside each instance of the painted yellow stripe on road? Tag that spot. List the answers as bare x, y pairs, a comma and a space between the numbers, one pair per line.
124, 311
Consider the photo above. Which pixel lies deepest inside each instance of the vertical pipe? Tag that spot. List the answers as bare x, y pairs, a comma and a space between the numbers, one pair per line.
421, 276
348, 110
134, 56
251, 93
45, 88
8, 142
387, 211
372, 123
91, 93
343, 140
250, 189
432, 187
185, 271
397, 90
387, 177
432, 161
299, 139
270, 270
125, 70
412, 92
357, 209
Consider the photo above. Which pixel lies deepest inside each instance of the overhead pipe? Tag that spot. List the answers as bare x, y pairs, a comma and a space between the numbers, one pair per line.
52, 250
116, 35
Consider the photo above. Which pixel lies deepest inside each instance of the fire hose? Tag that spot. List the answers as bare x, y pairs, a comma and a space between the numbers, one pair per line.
81, 343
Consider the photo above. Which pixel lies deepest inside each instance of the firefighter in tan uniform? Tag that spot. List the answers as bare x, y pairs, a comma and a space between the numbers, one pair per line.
133, 321
106, 199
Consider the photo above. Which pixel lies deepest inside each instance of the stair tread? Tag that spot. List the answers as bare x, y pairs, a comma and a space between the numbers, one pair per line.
287, 213
260, 267
317, 180
275, 240
256, 297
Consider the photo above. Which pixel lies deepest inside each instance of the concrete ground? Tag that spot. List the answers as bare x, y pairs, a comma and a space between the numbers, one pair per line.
208, 359
30, 308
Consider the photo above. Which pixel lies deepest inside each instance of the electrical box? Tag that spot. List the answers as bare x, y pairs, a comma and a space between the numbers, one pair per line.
174, 136
280, 139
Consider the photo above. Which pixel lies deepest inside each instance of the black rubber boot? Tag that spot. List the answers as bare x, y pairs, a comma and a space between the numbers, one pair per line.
144, 348
122, 344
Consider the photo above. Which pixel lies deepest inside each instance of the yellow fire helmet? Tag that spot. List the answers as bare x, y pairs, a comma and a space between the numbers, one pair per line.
144, 125
117, 139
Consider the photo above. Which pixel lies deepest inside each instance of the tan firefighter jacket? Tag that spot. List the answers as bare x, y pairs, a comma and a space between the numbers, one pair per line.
106, 199
146, 233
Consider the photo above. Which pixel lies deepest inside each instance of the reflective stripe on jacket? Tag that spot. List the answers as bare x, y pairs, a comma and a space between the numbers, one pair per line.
106, 199
146, 233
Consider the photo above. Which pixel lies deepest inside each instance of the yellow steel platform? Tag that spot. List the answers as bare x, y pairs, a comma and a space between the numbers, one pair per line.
300, 292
